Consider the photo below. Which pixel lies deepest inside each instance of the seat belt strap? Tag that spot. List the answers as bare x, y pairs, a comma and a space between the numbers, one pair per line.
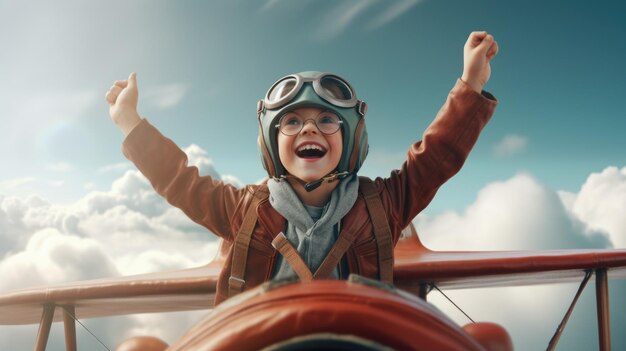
343, 243
282, 244
237, 282
382, 232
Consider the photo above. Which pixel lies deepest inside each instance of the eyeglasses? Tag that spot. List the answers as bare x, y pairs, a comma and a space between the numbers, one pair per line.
329, 87
326, 122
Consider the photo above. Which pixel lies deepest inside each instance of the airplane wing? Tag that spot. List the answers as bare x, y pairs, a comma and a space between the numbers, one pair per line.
415, 267
416, 270
181, 290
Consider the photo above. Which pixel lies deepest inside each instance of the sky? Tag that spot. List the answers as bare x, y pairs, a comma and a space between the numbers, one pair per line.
548, 172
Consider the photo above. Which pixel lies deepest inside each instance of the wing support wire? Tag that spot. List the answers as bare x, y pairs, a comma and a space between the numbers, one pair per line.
69, 320
433, 286
67, 311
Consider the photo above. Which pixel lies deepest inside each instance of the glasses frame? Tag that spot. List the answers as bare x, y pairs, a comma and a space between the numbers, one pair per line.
304, 122
317, 87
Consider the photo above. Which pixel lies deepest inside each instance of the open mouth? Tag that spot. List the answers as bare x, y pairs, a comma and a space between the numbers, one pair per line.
310, 151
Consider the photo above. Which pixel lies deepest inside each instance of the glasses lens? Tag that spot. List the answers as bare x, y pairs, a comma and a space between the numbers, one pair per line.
290, 124
281, 89
328, 123
336, 88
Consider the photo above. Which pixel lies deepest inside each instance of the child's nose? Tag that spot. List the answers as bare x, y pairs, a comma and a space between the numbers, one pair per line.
309, 127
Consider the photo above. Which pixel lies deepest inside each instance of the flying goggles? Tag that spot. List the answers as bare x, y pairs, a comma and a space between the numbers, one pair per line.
332, 88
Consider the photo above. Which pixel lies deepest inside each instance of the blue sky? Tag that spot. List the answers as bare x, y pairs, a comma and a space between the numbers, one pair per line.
203, 65
558, 78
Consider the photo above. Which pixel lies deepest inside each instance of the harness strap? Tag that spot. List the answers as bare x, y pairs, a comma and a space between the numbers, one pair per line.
292, 256
382, 232
343, 243
236, 282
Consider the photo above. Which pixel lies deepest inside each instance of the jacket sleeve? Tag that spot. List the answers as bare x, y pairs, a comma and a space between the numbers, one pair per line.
440, 154
207, 201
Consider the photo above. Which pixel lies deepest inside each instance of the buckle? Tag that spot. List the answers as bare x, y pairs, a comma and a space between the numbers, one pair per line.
260, 106
236, 283
362, 107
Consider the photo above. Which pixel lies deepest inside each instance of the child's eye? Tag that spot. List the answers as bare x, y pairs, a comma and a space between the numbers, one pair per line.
293, 121
328, 119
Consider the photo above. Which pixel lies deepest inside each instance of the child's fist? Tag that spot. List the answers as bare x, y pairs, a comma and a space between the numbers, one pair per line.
479, 49
122, 98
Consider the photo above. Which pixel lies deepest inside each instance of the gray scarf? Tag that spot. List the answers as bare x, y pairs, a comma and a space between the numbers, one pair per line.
312, 239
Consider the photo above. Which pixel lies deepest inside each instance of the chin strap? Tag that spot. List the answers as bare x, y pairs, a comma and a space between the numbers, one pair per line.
328, 179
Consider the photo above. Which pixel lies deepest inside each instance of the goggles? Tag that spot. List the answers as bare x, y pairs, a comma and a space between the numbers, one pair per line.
331, 88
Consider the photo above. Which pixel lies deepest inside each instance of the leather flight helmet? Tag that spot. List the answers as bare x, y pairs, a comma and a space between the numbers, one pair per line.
317, 89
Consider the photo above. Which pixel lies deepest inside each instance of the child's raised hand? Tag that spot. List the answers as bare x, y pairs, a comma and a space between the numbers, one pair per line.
479, 49
122, 98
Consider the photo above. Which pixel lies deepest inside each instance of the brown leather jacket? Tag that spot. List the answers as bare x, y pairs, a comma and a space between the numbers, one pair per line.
220, 207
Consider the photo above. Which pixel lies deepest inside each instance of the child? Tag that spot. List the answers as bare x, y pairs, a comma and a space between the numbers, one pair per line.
322, 219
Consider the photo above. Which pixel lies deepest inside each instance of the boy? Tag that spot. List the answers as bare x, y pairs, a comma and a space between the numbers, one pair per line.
322, 219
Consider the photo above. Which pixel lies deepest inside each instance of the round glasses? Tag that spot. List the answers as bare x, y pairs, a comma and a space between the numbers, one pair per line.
326, 122
329, 87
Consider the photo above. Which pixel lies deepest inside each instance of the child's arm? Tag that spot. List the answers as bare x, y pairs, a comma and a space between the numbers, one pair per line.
446, 143
207, 201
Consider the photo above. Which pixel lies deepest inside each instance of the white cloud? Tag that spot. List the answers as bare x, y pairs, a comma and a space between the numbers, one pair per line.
340, 18
51, 257
231, 179
519, 214
268, 5
56, 183
165, 96
377, 160
601, 204
28, 186
336, 19
60, 167
516, 214
116, 167
510, 145
125, 230
395, 10
199, 158
140, 230
9, 184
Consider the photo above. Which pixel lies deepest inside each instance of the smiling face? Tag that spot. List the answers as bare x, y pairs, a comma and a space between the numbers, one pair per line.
310, 155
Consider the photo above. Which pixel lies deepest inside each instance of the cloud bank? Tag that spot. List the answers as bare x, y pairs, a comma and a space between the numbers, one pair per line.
522, 214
